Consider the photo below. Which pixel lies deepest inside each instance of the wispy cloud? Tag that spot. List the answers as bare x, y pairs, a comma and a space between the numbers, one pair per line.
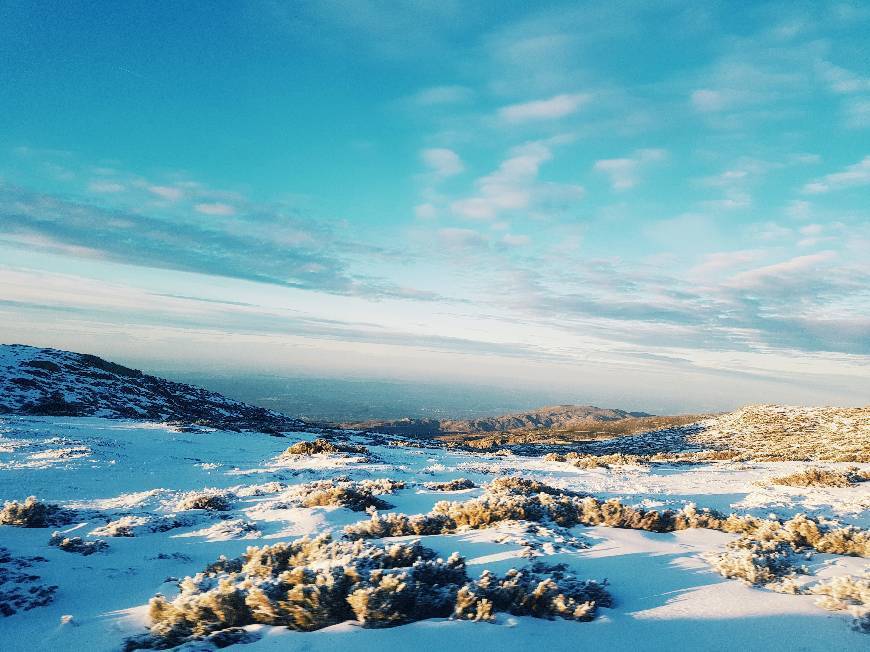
442, 162
854, 175
214, 208
558, 106
624, 173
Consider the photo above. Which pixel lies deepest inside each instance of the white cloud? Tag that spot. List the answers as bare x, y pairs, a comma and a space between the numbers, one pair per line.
215, 208
425, 212
442, 162
857, 174
166, 192
510, 187
624, 172
558, 106
781, 274
106, 186
723, 260
798, 209
841, 80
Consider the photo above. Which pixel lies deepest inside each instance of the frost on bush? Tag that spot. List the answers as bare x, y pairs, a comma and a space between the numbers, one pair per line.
77, 544
528, 500
322, 446
541, 591
817, 477
125, 526
847, 593
457, 484
356, 496
597, 461
211, 500
308, 584
32, 513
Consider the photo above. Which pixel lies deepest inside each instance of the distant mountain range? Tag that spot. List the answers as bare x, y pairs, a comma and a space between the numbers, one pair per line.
579, 421
50, 382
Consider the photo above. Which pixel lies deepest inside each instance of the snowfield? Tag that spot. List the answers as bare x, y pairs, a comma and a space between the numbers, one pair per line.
168, 503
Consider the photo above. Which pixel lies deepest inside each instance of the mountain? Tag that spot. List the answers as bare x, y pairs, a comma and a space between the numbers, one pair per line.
550, 424
50, 382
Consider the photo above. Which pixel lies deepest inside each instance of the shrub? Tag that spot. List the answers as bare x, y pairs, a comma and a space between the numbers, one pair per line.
356, 496
816, 477
32, 513
211, 500
847, 593
521, 499
77, 544
308, 584
457, 484
122, 527
322, 446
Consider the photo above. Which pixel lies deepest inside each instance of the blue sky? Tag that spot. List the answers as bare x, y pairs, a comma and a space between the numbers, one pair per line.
660, 203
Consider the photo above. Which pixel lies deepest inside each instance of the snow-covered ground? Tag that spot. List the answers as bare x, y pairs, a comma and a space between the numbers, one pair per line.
666, 595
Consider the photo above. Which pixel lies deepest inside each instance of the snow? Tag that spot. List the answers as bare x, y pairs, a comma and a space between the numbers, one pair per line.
666, 595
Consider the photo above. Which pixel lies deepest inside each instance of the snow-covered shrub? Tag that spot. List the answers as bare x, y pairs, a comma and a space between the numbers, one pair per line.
308, 584
817, 477
211, 500
77, 544
32, 513
122, 527
457, 484
541, 591
356, 496
755, 562
244, 491
512, 498
847, 593
322, 446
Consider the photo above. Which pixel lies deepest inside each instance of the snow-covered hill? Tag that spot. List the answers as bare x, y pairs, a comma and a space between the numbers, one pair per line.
50, 382
141, 506
147, 533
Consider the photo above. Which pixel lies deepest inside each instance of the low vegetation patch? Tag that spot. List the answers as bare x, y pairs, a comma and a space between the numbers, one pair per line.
528, 500
321, 447
77, 544
847, 593
308, 584
817, 477
457, 484
33, 513
211, 500
356, 496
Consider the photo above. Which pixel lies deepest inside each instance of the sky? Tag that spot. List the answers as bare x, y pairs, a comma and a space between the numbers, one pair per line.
663, 204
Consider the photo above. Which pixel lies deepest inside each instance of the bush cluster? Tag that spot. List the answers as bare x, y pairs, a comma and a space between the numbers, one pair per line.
847, 593
322, 446
32, 513
457, 484
818, 477
597, 461
77, 544
308, 584
520, 499
356, 496
211, 500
